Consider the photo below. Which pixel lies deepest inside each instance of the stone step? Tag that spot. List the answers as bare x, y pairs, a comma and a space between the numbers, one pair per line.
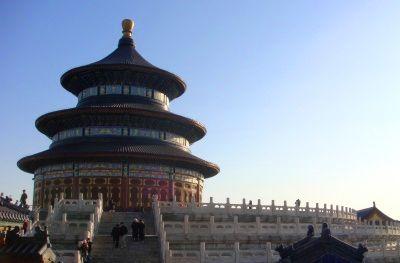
139, 251
103, 250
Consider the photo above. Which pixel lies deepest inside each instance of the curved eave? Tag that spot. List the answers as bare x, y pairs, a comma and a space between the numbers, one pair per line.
42, 123
74, 82
148, 154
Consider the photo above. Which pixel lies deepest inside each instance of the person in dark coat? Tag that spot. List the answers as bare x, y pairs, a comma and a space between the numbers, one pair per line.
23, 198
123, 232
141, 227
12, 235
135, 229
115, 233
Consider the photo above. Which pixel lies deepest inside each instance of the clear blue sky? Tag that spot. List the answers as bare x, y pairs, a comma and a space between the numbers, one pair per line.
301, 99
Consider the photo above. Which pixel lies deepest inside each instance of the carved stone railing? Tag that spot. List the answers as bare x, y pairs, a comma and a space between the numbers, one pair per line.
259, 209
59, 225
355, 229
383, 253
159, 227
223, 255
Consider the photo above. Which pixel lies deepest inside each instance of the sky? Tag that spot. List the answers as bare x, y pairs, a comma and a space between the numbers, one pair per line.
300, 98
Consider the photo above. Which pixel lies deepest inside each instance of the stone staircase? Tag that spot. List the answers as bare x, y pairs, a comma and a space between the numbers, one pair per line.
103, 250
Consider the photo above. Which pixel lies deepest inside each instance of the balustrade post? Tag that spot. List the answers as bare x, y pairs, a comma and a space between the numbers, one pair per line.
398, 248
316, 210
237, 252
325, 210
346, 212
36, 216
337, 211
331, 211
167, 253
235, 224
269, 252
192, 203
80, 201
329, 222
307, 207
228, 205
244, 204
272, 205
285, 208
297, 222
63, 223
341, 211
186, 224
258, 224
278, 224
202, 252
174, 203
49, 214
55, 207
212, 223
314, 222
259, 207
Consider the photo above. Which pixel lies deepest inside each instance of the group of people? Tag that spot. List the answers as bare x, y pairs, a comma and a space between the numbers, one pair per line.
85, 247
120, 232
10, 235
7, 200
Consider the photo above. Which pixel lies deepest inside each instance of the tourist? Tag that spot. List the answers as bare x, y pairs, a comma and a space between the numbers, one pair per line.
12, 235
90, 243
115, 235
111, 205
84, 249
123, 232
141, 227
2, 238
250, 204
297, 203
25, 226
135, 229
23, 198
39, 234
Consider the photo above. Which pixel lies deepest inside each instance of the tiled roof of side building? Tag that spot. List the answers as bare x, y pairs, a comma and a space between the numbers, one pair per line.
25, 247
367, 212
10, 215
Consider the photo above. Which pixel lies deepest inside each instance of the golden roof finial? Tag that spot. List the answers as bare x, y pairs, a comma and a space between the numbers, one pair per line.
127, 27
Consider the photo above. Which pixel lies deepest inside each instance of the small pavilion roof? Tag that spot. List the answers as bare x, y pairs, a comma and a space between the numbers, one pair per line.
325, 247
25, 247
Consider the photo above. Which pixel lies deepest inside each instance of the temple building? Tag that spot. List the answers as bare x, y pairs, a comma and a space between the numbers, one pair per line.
374, 216
122, 145
120, 140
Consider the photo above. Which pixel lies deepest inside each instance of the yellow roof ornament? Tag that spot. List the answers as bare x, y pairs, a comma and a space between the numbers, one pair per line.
127, 27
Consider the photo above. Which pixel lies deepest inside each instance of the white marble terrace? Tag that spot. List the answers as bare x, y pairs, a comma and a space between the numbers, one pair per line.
343, 222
